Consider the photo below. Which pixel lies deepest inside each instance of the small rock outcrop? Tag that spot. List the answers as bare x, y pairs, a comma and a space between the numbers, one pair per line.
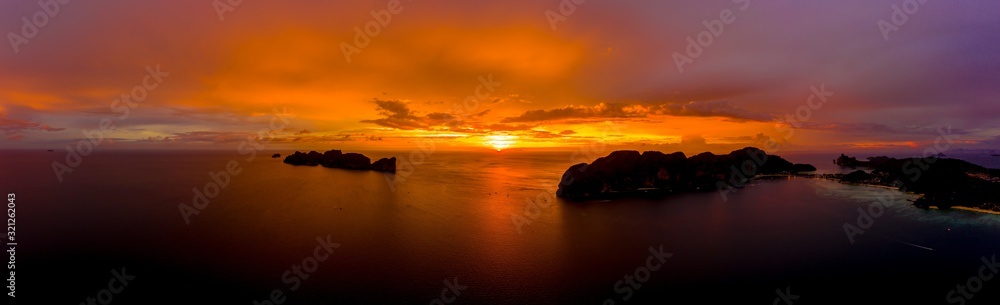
385, 165
858, 176
275, 156
852, 162
338, 159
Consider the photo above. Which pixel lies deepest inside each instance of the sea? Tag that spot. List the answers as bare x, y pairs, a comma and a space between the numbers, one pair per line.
471, 228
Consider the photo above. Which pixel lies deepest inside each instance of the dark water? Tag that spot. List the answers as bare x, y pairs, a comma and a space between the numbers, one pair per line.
453, 217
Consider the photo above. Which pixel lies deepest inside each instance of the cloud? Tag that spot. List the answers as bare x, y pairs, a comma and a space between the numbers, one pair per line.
716, 108
14, 129
216, 137
541, 134
719, 108
397, 115
438, 116
868, 128
209, 137
693, 140
394, 109
602, 110
995, 141
507, 127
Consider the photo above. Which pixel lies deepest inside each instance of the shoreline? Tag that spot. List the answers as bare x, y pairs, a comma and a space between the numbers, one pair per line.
858, 184
968, 209
961, 208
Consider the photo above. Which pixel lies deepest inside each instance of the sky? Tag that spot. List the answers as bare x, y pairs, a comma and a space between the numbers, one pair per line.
480, 75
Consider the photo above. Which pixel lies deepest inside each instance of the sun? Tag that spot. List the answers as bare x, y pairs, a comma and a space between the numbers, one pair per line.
501, 142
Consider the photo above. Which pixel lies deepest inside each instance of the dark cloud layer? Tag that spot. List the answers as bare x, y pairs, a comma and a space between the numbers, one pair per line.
722, 108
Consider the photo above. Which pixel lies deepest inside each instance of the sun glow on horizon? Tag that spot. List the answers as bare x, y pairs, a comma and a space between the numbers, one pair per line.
500, 142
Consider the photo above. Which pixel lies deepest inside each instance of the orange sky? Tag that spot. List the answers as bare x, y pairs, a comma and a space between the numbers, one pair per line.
604, 74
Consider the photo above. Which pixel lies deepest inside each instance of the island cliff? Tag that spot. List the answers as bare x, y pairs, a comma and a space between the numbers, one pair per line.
941, 182
338, 159
629, 173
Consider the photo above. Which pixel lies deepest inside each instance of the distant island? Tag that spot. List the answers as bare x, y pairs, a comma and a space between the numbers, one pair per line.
942, 182
629, 173
338, 159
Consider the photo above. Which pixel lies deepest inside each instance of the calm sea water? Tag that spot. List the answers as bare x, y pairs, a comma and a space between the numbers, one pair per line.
453, 218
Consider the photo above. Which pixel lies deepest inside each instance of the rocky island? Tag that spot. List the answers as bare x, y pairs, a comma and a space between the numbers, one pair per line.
942, 182
629, 173
338, 159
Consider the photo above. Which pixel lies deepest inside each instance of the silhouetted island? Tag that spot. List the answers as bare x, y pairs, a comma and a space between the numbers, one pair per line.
275, 156
942, 182
338, 159
629, 173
